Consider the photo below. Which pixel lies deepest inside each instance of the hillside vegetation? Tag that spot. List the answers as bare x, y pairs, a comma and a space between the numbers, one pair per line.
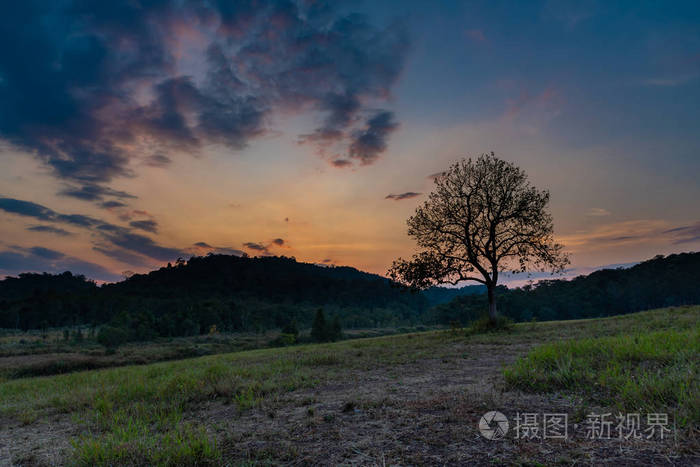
659, 282
240, 294
169, 413
233, 293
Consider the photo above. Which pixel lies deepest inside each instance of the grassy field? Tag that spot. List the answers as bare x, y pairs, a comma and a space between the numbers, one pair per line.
231, 408
44, 353
640, 372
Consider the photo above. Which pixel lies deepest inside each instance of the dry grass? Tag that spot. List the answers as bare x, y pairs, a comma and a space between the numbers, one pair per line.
283, 404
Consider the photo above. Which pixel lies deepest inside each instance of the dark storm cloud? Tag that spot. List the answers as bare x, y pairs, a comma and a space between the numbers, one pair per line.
370, 142
49, 229
278, 241
148, 225
400, 196
92, 192
88, 86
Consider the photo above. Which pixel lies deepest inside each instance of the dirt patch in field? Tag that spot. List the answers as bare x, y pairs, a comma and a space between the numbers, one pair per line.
43, 442
422, 413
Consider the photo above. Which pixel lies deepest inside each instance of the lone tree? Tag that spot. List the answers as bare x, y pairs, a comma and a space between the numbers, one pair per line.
482, 218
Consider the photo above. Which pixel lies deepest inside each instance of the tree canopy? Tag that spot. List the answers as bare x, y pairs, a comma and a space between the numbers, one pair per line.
482, 218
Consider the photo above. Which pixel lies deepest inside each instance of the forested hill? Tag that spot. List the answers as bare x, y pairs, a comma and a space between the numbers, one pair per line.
659, 282
281, 279
234, 293
253, 294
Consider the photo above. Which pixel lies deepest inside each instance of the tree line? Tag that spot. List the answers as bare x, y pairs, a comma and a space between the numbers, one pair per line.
256, 294
235, 294
659, 282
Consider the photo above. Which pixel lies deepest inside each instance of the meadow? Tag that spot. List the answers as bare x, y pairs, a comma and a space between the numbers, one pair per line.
57, 351
409, 398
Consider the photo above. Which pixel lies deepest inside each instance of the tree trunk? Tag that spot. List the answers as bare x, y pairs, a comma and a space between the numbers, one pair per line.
492, 303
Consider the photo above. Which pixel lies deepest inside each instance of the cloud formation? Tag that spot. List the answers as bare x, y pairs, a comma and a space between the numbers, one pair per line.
203, 248
147, 225
111, 204
37, 211
598, 212
255, 246
39, 259
49, 229
137, 243
686, 233
92, 192
118, 236
90, 87
368, 143
615, 235
400, 196
264, 247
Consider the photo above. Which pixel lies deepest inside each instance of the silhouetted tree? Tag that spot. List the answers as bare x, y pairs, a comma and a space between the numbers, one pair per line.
335, 331
482, 218
291, 328
112, 337
319, 332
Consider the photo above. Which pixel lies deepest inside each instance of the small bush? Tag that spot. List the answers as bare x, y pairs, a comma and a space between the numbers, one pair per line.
284, 340
291, 328
112, 337
325, 331
486, 324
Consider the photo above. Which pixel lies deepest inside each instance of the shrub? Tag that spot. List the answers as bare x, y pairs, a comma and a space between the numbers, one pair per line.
284, 340
325, 331
485, 324
319, 329
335, 332
112, 337
291, 328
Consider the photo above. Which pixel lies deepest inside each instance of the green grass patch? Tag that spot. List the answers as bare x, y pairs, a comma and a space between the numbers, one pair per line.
139, 414
643, 372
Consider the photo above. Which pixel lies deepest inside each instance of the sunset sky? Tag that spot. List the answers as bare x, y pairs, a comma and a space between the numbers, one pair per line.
133, 133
